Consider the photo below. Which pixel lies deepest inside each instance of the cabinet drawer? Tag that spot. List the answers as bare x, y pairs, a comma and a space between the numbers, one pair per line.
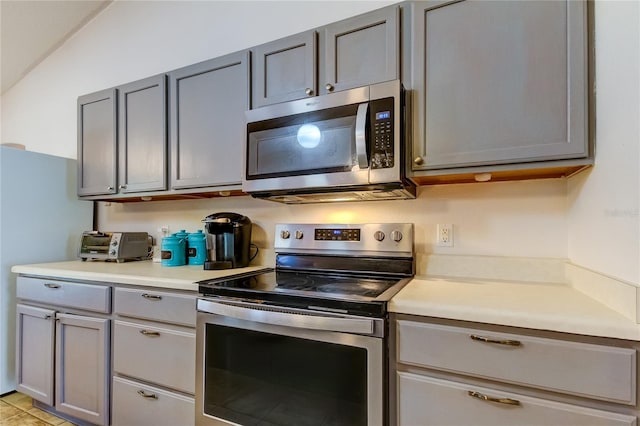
141, 405
159, 355
89, 297
593, 371
425, 401
156, 305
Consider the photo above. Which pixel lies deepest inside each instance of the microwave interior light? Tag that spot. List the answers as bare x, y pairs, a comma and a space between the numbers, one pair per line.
309, 136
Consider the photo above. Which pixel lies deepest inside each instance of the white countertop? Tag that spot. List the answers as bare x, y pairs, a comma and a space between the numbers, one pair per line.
542, 306
143, 273
539, 305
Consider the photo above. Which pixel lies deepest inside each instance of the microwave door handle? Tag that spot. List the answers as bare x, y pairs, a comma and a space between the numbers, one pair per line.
361, 136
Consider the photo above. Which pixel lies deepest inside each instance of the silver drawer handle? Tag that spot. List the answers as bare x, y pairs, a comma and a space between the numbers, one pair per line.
50, 285
150, 333
507, 401
147, 395
496, 341
151, 296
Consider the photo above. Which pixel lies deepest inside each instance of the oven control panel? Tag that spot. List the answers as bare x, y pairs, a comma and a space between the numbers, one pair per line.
396, 238
337, 234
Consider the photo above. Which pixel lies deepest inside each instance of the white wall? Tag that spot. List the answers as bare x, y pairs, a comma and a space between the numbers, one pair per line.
132, 40
604, 204
503, 219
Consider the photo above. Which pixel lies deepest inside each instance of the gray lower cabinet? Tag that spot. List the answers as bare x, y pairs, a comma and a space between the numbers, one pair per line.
35, 335
496, 84
354, 52
207, 105
63, 335
448, 373
82, 367
97, 143
142, 405
153, 357
428, 401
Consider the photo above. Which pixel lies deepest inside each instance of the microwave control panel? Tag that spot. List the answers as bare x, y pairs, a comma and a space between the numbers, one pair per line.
382, 140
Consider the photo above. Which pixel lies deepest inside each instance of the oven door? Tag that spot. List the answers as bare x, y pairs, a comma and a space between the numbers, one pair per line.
252, 369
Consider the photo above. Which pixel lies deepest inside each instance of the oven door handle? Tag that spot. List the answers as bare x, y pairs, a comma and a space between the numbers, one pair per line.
288, 319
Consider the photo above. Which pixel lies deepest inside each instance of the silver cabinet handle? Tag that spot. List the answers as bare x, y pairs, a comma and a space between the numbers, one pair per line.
48, 317
122, 187
308, 91
329, 87
507, 401
418, 161
50, 285
147, 395
151, 296
109, 188
150, 333
495, 341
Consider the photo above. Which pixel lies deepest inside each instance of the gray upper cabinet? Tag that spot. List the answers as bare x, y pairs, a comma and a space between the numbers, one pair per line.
354, 52
284, 70
207, 105
361, 50
142, 141
497, 83
97, 142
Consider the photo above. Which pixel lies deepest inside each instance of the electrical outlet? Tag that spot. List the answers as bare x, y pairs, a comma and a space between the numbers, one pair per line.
444, 233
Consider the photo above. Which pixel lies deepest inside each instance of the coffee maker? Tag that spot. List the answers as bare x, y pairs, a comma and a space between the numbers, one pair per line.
228, 240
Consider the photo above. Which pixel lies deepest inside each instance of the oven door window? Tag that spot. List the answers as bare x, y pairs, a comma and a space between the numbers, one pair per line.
310, 143
257, 378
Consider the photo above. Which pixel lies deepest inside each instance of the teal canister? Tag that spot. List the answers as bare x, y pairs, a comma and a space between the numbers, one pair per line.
173, 251
197, 248
184, 235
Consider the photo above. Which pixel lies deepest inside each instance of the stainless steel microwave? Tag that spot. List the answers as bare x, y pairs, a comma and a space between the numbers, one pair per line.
343, 146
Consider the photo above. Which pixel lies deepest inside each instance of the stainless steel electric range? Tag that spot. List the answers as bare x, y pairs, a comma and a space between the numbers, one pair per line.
304, 343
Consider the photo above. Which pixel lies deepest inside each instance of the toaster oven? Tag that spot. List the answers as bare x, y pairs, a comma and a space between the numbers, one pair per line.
114, 246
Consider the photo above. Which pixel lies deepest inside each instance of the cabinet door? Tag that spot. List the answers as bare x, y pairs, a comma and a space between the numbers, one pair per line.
139, 404
97, 141
426, 401
498, 82
82, 367
284, 70
149, 353
361, 50
207, 105
35, 328
142, 141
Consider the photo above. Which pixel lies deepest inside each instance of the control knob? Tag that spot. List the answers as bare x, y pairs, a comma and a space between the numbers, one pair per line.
378, 235
284, 234
396, 236
299, 235
112, 252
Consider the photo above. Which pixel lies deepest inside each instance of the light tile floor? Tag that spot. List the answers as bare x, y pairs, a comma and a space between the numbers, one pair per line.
16, 409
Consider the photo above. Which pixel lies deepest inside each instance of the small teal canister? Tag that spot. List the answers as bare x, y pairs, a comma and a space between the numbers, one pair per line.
173, 251
197, 248
185, 235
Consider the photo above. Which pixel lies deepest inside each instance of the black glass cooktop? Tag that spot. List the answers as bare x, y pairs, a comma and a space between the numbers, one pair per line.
342, 292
